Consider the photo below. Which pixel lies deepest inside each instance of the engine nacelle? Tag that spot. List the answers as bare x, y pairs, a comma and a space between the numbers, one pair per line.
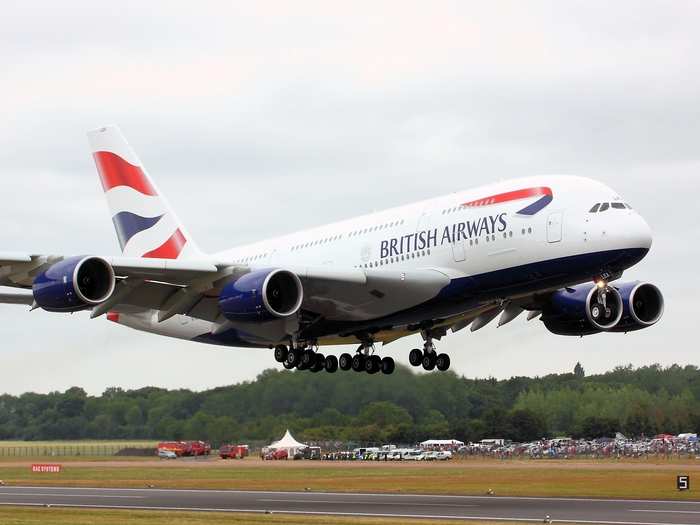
262, 295
583, 310
74, 284
643, 306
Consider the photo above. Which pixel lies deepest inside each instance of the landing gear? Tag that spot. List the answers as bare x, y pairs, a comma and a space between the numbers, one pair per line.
429, 361
303, 358
442, 362
373, 364
415, 357
293, 357
308, 359
331, 364
281, 353
428, 357
358, 363
345, 362
388, 366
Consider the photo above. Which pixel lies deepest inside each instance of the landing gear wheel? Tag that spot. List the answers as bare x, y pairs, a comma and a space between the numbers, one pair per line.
331, 364
388, 365
293, 357
308, 358
281, 353
287, 365
358, 363
442, 362
415, 357
319, 363
373, 364
429, 361
345, 362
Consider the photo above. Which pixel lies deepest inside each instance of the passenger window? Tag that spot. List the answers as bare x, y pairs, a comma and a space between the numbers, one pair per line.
594, 208
604, 206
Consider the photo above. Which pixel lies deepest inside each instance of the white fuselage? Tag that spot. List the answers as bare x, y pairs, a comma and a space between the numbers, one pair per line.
461, 240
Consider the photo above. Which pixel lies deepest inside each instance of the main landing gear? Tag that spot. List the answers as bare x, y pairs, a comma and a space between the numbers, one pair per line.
303, 358
428, 357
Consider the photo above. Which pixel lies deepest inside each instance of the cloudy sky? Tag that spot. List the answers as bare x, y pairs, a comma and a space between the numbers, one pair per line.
261, 118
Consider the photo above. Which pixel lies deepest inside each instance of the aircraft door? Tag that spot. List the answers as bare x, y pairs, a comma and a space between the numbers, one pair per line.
554, 226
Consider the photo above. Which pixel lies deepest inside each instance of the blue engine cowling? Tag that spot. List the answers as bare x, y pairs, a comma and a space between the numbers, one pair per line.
583, 310
261, 295
74, 284
643, 306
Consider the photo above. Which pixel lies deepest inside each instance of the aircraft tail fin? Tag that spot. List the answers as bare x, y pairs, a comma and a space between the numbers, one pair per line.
146, 226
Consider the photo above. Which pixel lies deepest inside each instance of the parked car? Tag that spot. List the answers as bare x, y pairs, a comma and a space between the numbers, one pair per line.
166, 454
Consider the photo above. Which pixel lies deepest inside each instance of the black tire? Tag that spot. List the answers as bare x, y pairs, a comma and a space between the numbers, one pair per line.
373, 364
308, 358
415, 357
293, 357
429, 361
442, 362
358, 363
281, 353
388, 366
345, 362
320, 361
287, 365
331, 364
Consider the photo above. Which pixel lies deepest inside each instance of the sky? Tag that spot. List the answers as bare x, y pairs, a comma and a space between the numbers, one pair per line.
262, 118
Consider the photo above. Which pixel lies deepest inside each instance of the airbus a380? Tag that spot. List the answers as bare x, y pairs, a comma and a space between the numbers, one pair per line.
551, 246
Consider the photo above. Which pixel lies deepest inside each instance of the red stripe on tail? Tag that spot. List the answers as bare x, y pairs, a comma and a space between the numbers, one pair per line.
170, 249
115, 171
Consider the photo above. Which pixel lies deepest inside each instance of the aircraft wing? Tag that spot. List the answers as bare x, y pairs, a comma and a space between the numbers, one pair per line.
191, 286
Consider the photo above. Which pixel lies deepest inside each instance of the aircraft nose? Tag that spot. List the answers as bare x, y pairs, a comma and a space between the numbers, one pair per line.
639, 232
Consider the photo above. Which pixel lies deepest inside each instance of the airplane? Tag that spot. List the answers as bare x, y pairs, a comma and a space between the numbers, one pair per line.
552, 246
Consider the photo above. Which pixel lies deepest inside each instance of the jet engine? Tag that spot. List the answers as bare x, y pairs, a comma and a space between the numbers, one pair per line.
582, 310
643, 306
74, 284
261, 295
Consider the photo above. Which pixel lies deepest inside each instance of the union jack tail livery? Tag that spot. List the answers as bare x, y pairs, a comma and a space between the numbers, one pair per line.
146, 226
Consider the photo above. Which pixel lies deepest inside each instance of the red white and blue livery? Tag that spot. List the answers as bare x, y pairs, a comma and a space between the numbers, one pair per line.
552, 246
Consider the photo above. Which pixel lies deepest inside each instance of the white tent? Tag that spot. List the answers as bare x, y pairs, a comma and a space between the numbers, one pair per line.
288, 443
442, 443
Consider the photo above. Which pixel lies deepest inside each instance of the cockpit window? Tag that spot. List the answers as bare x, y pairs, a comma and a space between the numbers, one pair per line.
604, 206
628, 206
594, 208
618, 205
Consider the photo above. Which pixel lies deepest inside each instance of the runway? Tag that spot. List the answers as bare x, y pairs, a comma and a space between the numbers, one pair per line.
619, 512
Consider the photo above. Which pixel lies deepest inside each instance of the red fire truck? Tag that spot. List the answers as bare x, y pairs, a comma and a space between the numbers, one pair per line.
228, 451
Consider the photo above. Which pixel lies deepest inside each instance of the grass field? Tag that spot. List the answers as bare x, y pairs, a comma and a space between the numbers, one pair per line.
58, 516
67, 449
632, 479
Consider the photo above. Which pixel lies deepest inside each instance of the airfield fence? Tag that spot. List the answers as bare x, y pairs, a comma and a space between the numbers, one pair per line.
78, 449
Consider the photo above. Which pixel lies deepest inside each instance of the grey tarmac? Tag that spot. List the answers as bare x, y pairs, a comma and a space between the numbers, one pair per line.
583, 510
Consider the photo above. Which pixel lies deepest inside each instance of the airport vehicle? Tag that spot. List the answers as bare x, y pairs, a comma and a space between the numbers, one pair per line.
166, 454
552, 246
227, 451
179, 448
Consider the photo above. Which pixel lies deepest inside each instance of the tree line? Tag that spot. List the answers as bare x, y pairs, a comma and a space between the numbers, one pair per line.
404, 407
